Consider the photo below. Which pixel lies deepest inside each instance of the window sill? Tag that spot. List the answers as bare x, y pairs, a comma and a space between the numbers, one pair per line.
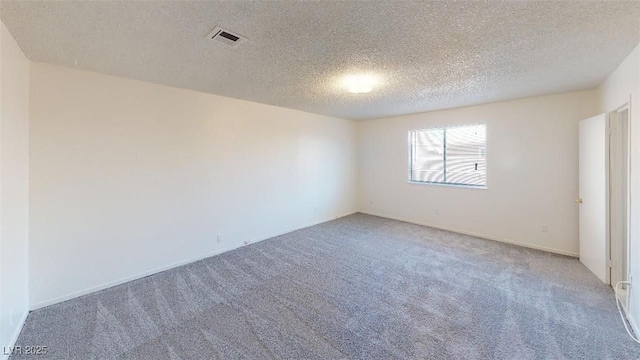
472, 187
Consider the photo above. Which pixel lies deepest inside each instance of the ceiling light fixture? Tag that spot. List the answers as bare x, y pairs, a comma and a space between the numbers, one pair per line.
359, 84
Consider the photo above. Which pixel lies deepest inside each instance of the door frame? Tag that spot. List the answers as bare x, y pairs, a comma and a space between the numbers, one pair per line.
618, 165
607, 200
625, 273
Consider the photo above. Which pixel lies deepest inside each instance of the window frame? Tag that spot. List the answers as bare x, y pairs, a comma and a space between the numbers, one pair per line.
447, 184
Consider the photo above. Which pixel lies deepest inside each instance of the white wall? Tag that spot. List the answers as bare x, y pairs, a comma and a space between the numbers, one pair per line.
14, 177
532, 172
129, 177
615, 91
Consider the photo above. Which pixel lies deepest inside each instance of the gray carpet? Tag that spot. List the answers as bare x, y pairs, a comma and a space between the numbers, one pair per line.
360, 287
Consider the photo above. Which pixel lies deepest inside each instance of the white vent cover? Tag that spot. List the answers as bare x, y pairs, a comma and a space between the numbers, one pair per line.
225, 37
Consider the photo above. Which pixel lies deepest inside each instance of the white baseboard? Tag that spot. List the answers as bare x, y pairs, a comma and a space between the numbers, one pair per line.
536, 247
86, 291
14, 336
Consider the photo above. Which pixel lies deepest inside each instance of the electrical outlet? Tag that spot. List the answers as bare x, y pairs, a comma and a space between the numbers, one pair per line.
219, 239
544, 228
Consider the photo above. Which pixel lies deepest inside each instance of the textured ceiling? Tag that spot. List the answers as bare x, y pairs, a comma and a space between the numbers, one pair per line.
429, 55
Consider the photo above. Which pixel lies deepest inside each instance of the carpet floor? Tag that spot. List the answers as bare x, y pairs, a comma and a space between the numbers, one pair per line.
360, 287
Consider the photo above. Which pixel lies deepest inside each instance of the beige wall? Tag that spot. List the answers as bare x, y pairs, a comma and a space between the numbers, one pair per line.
532, 172
621, 87
14, 176
128, 178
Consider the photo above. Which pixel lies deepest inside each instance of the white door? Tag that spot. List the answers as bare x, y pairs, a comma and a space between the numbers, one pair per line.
593, 164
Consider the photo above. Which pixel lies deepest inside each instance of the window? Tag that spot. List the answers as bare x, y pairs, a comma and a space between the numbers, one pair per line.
455, 155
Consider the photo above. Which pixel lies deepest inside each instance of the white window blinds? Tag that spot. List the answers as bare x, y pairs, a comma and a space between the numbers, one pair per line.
451, 155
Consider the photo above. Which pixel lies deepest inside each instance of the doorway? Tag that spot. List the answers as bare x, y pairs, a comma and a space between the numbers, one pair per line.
618, 199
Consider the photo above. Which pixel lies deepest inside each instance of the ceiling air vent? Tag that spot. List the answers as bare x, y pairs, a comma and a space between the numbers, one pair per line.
226, 37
